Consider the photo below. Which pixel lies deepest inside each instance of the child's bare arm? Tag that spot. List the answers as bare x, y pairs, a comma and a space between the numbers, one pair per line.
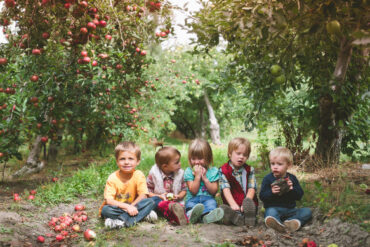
230, 199
250, 193
113, 202
138, 199
212, 187
162, 196
180, 195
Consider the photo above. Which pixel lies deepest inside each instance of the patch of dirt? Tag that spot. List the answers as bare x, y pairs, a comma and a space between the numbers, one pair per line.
21, 223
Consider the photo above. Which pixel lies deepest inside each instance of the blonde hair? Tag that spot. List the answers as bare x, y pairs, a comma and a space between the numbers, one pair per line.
236, 142
127, 146
201, 149
283, 152
165, 154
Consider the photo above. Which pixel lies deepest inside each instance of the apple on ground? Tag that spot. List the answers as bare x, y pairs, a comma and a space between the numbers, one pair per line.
54, 179
79, 207
31, 197
89, 235
40, 239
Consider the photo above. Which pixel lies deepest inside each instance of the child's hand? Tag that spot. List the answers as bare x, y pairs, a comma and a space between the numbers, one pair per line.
236, 207
163, 196
204, 173
275, 189
290, 184
132, 210
197, 170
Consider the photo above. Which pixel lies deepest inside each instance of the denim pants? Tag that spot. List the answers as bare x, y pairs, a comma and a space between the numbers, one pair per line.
208, 202
156, 200
144, 207
282, 214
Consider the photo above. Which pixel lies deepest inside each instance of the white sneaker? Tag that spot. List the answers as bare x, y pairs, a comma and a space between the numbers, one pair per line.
151, 217
114, 223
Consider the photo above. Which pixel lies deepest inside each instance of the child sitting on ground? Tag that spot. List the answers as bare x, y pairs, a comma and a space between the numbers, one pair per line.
166, 185
238, 185
279, 192
202, 182
125, 195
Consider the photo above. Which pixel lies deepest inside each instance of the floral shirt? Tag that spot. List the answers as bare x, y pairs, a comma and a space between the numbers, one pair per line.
212, 175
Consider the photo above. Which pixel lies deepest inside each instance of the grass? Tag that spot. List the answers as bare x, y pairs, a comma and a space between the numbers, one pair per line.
342, 198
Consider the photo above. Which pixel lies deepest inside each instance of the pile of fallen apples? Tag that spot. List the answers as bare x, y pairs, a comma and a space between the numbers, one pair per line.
68, 226
31, 196
306, 242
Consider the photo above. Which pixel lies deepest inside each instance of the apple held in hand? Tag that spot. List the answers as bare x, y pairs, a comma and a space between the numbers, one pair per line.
170, 196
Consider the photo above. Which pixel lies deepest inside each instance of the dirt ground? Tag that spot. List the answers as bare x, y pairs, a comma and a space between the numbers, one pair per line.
21, 223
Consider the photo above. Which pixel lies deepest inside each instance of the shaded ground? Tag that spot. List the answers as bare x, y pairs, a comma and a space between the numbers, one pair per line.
21, 223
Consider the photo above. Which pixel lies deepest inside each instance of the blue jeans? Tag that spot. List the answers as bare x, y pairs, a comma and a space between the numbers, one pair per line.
156, 200
208, 202
282, 214
144, 207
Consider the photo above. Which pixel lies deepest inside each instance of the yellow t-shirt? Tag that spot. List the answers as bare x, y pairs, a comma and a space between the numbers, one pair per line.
124, 192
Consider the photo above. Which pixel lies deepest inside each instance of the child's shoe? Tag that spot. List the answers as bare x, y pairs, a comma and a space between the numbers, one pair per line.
249, 209
231, 216
215, 215
114, 223
273, 223
151, 217
196, 213
179, 213
292, 225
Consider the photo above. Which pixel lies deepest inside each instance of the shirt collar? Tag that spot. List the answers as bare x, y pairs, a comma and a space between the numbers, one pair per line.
235, 170
165, 177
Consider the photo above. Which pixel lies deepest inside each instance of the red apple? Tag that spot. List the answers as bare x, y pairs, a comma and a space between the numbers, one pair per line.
137, 49
36, 51
89, 235
107, 37
3, 61
76, 228
83, 30
9, 3
67, 5
102, 23
64, 233
83, 4
79, 207
91, 25
45, 35
86, 60
50, 99
34, 78
84, 217
40, 239
84, 53
94, 63
31, 197
59, 237
44, 139
143, 53
54, 179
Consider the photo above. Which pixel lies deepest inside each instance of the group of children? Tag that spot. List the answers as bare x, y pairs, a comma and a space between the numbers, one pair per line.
188, 196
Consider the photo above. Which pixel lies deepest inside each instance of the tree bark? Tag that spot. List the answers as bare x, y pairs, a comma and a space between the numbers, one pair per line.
33, 163
214, 126
202, 123
330, 133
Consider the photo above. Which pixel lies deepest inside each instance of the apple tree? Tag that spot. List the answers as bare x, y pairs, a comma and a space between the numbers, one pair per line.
319, 49
73, 68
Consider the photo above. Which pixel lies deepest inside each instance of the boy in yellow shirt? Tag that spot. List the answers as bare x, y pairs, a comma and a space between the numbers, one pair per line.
125, 195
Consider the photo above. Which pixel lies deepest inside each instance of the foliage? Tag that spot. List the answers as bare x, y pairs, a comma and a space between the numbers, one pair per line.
73, 67
181, 77
281, 48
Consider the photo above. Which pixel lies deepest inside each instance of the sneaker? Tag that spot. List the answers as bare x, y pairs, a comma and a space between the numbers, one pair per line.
292, 225
215, 215
231, 216
179, 213
114, 223
196, 213
273, 223
249, 209
151, 217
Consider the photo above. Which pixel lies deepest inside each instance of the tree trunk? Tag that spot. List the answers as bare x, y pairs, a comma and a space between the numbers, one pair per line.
33, 163
330, 133
202, 123
214, 126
